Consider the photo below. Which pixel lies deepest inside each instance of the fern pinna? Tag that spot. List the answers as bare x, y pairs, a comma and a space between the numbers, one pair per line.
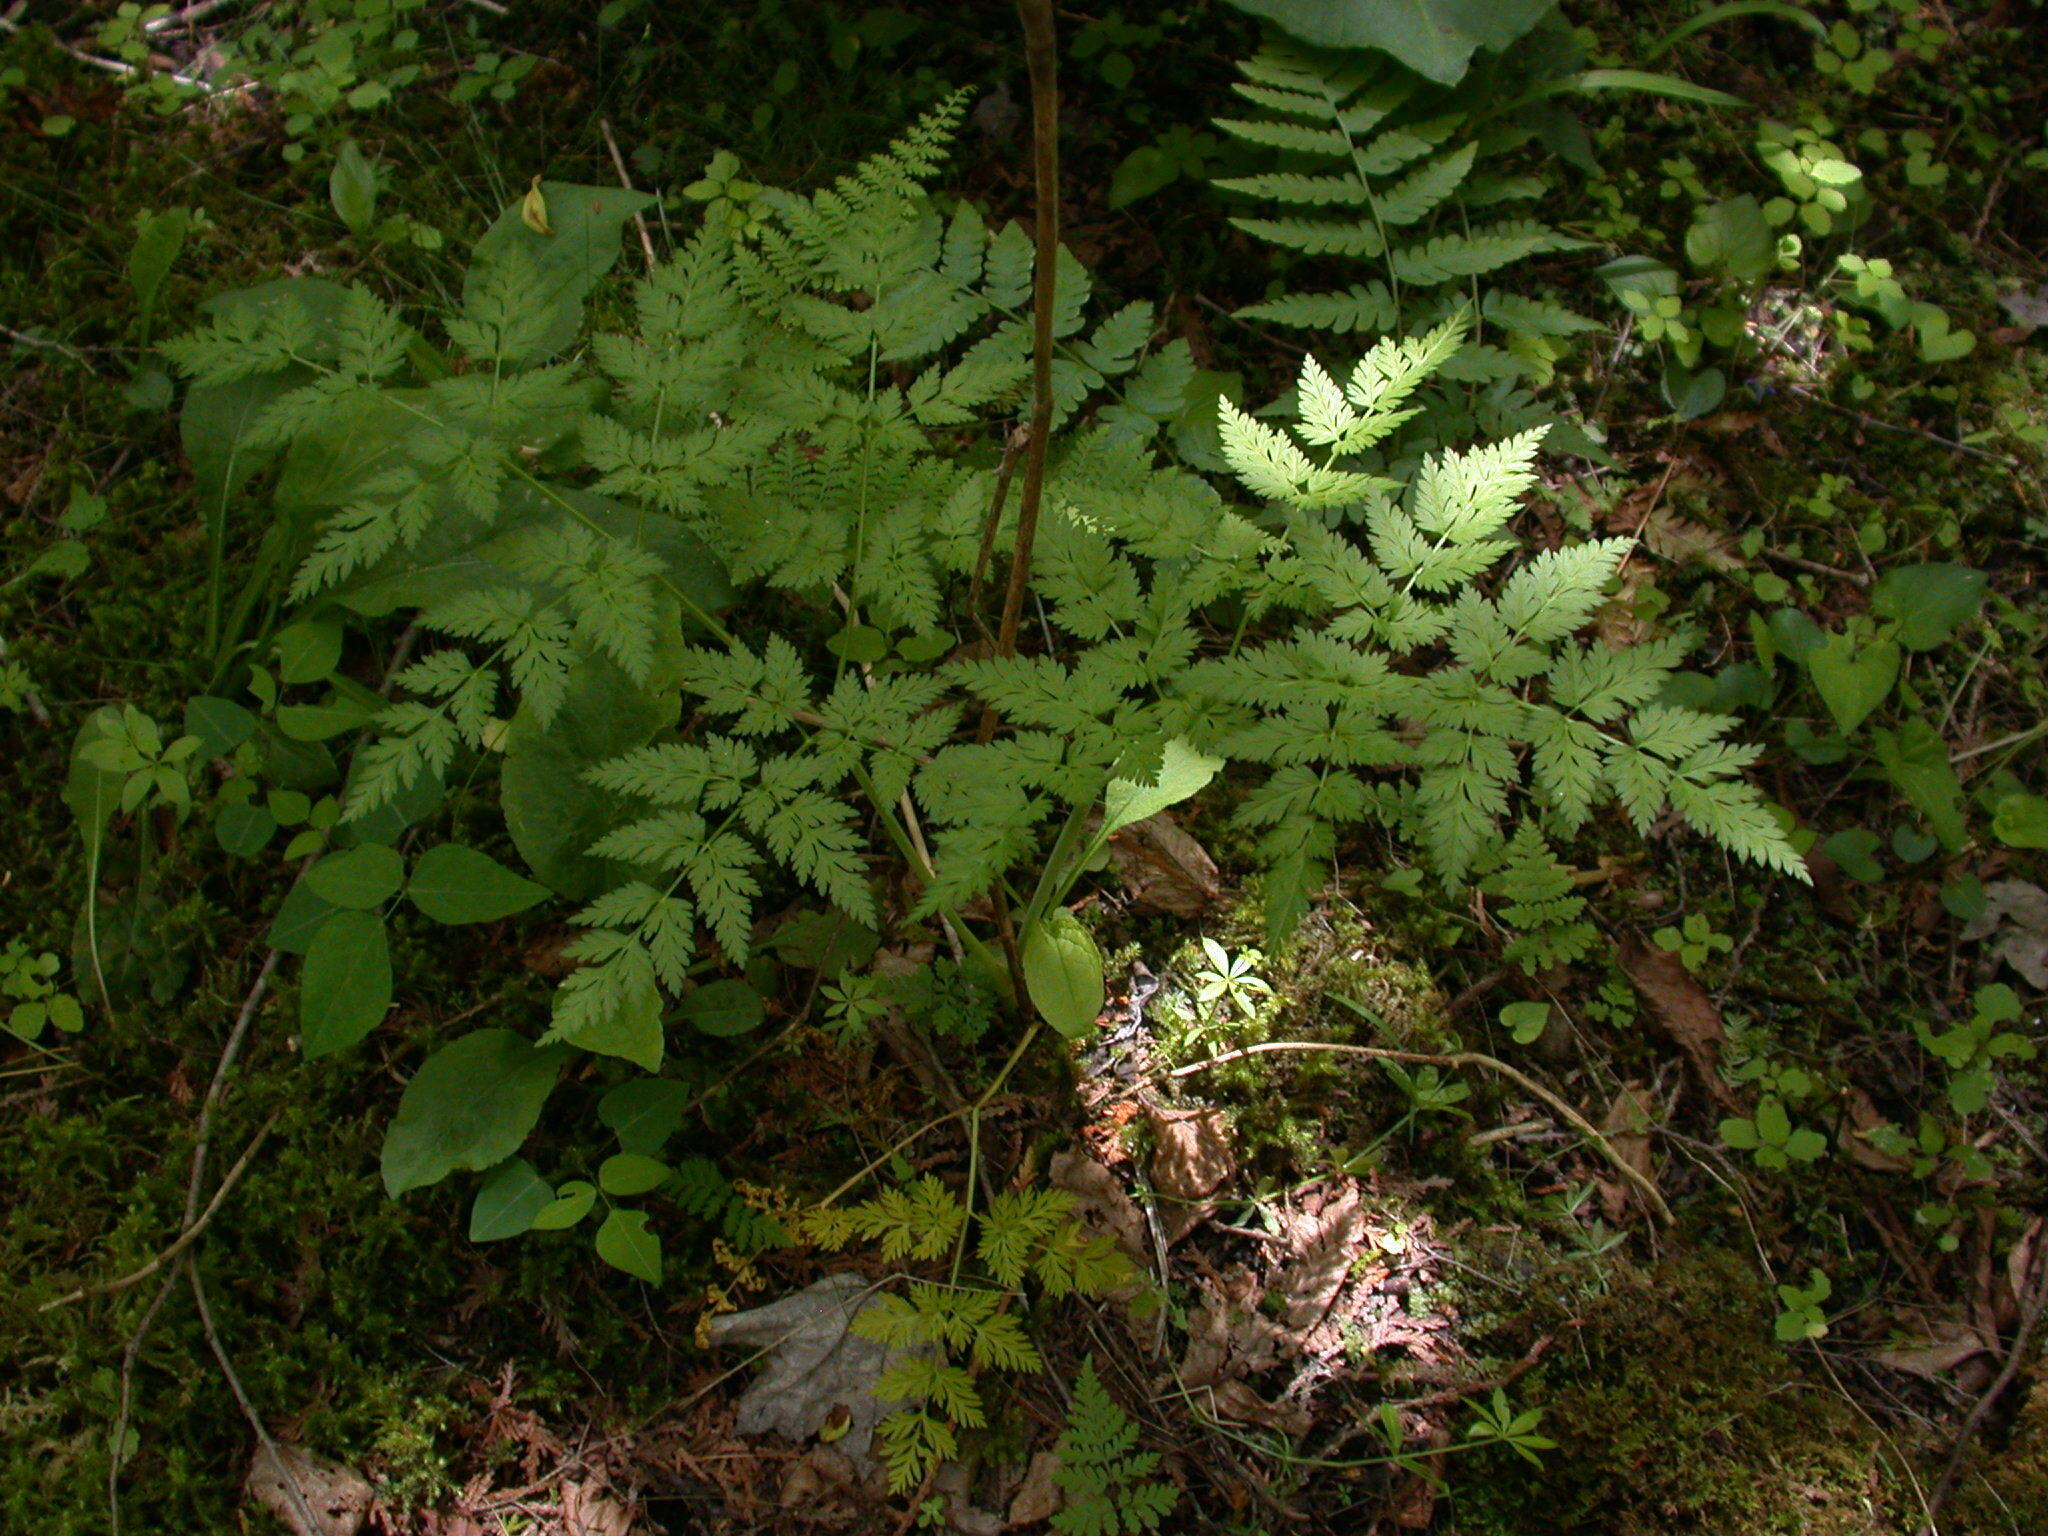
1381, 171
808, 406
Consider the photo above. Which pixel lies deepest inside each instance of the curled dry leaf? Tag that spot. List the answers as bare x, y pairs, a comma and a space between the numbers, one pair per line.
1931, 1358
1865, 1117
1163, 868
1682, 1007
1682, 541
1234, 1400
1228, 1336
337, 1497
1192, 1158
817, 1367
590, 1509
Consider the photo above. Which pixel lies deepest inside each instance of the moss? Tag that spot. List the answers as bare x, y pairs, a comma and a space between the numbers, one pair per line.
1674, 1413
2009, 1489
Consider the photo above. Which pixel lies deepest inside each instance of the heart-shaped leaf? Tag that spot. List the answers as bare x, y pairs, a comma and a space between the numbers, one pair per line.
625, 1242
1852, 682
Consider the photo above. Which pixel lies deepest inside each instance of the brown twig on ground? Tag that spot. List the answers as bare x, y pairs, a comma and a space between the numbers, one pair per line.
1644, 1184
185, 1239
285, 1475
2016, 1357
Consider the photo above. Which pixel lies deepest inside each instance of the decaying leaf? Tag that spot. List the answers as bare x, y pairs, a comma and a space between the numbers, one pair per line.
1322, 1244
1099, 1198
1235, 1400
1682, 541
337, 1497
1228, 1336
1685, 1011
2015, 922
1163, 868
1627, 1126
2028, 310
815, 1364
1193, 1157
591, 1509
1038, 1496
1931, 1358
1865, 1117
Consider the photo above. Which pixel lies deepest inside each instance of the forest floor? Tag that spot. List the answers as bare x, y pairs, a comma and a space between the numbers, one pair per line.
1328, 1233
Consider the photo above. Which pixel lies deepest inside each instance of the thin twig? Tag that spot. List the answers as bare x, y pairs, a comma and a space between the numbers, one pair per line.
1892, 426
1643, 1183
128, 1355
185, 1239
626, 181
2015, 1358
285, 1474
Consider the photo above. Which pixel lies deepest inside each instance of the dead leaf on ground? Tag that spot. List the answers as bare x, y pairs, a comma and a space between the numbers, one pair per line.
1931, 1358
821, 1476
337, 1497
2029, 311
1192, 1159
1038, 1496
591, 1509
1234, 1400
1228, 1336
1683, 542
1099, 1197
1682, 1007
1865, 1117
2015, 921
815, 1363
1163, 868
1627, 1126
1324, 1238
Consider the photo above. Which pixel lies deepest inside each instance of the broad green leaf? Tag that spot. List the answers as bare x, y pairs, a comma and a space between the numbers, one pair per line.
828, 942
644, 1113
1928, 602
302, 914
1733, 237
1852, 682
583, 241
723, 1008
571, 1204
1525, 1021
1856, 852
359, 878
1063, 973
1183, 773
62, 560
1432, 37
159, 237
1915, 759
470, 1105
454, 884
220, 725
625, 1174
507, 1202
92, 793
625, 1242
352, 188
345, 987
2021, 821
308, 650
244, 830
629, 1029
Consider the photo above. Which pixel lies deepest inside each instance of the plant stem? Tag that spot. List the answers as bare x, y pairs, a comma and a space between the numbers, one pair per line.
1042, 54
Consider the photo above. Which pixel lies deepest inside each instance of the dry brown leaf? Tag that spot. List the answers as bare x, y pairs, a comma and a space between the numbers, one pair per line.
1627, 1126
1038, 1496
1682, 1007
1932, 1358
1099, 1197
1234, 1400
1193, 1156
337, 1497
1682, 541
1163, 868
2015, 919
1227, 1333
1322, 1245
1864, 1117
589, 1509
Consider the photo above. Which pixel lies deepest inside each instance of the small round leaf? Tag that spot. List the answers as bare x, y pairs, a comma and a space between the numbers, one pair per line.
631, 1173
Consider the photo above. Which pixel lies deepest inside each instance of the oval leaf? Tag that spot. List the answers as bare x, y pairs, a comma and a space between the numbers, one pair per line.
629, 1173
624, 1242
644, 1113
508, 1200
723, 1008
357, 878
571, 1204
1063, 973
346, 984
454, 884
1183, 772
470, 1105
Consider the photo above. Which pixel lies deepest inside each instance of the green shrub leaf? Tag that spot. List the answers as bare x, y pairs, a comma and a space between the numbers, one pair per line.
1063, 973
624, 1242
345, 987
507, 1202
454, 884
470, 1105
